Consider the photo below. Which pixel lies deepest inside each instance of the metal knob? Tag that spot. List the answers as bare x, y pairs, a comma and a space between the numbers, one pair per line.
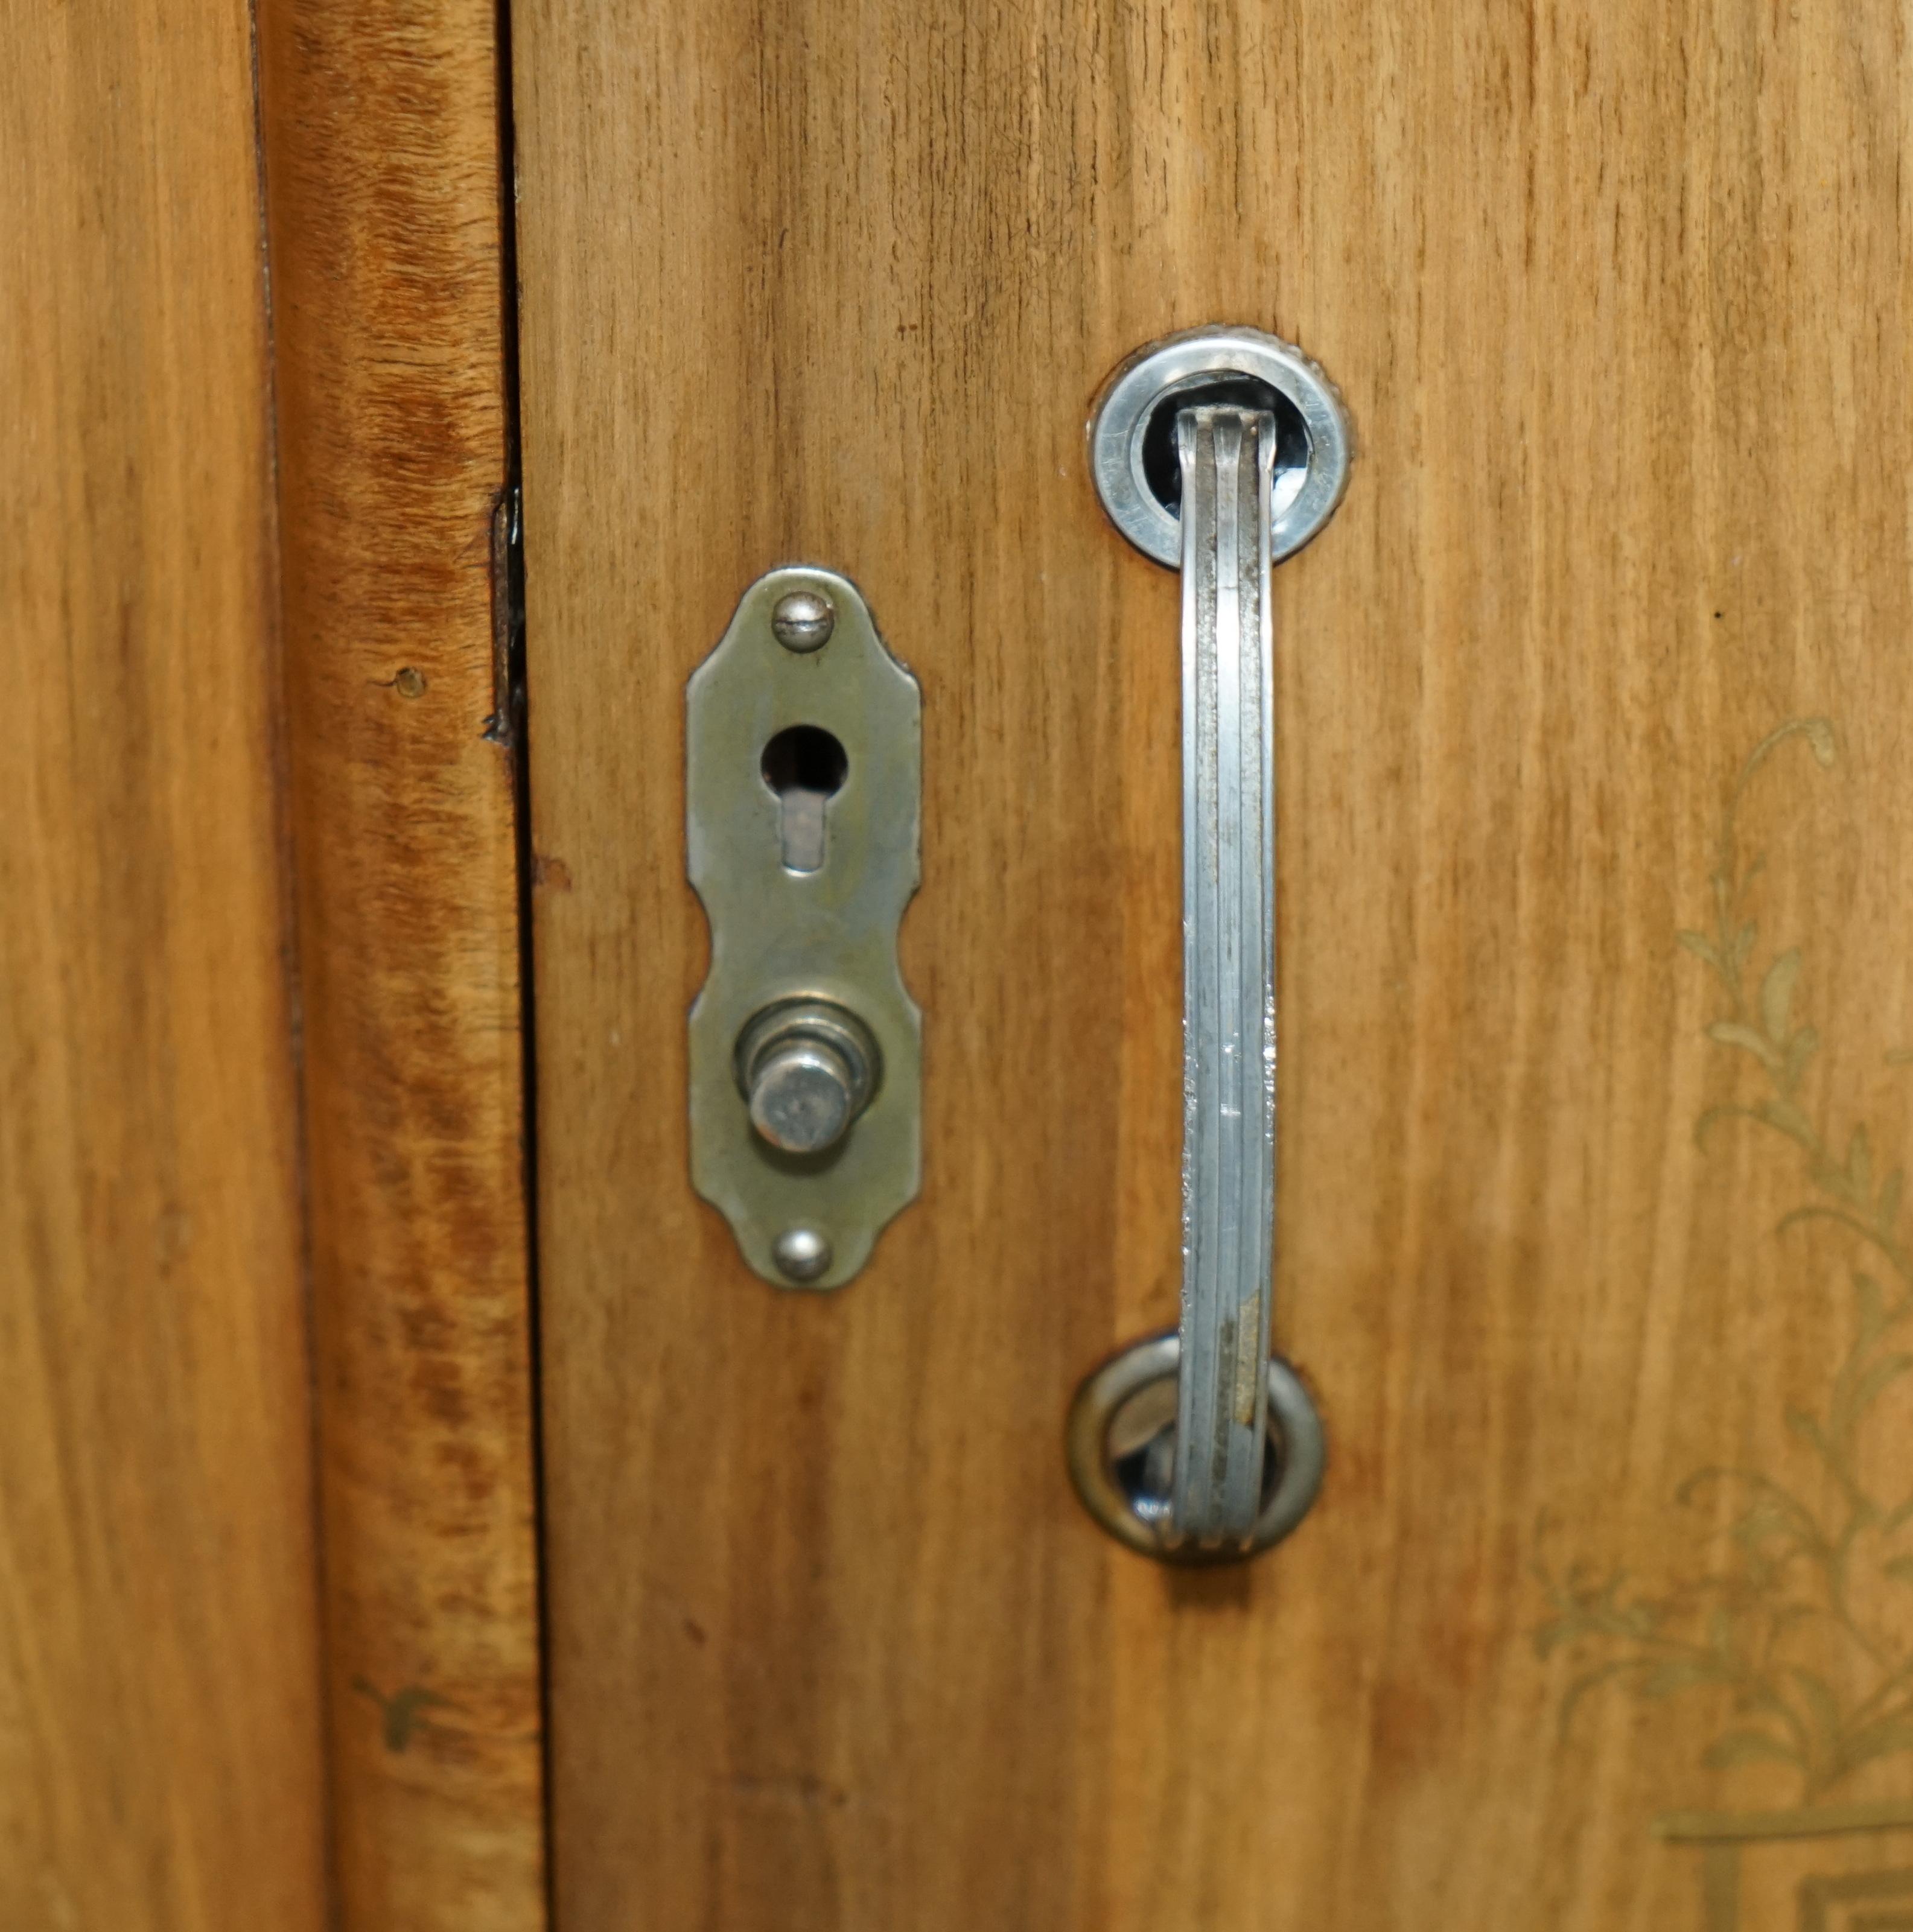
807, 1069
800, 1095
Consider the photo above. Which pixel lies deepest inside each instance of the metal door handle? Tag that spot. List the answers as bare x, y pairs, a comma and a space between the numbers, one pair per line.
1221, 451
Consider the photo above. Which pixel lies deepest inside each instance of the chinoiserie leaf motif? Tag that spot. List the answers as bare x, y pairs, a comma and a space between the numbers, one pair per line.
1802, 1671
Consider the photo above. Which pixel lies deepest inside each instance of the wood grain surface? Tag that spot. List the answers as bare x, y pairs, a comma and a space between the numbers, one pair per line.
160, 1756
1601, 1622
385, 186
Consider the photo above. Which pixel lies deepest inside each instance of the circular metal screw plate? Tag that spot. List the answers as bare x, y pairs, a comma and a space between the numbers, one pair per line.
1305, 498
1121, 1445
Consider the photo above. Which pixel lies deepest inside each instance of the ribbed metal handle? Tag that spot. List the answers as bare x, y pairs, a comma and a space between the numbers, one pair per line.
1231, 404
1226, 453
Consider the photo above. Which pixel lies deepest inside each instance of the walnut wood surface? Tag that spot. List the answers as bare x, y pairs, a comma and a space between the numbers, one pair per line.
161, 1757
1619, 298
384, 188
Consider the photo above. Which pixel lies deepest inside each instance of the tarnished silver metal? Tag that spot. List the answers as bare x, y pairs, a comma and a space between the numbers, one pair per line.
804, 892
1121, 1445
806, 1069
1226, 392
803, 621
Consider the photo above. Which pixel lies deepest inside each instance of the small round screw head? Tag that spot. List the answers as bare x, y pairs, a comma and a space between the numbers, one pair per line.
803, 620
801, 1096
802, 1253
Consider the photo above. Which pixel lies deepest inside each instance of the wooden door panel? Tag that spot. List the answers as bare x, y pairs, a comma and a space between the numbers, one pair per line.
1601, 1619
381, 133
160, 1763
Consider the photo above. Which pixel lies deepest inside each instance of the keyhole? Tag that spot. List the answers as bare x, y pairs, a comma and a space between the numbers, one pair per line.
805, 766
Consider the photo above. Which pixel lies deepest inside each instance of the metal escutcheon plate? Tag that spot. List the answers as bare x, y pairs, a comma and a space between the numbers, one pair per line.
802, 653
